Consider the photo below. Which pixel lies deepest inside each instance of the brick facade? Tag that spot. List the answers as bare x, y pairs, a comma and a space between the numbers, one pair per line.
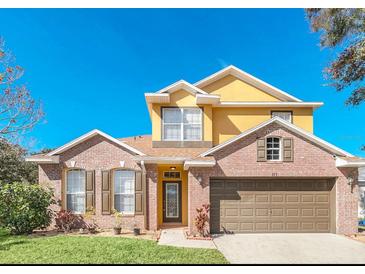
235, 160
239, 160
97, 153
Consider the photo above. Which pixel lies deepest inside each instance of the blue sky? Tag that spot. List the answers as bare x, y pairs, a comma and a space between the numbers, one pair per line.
91, 67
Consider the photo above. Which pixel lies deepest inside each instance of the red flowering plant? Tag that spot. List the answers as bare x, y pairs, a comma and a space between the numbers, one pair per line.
66, 220
202, 220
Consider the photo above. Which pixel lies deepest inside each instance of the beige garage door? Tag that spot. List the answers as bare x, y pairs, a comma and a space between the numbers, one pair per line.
270, 205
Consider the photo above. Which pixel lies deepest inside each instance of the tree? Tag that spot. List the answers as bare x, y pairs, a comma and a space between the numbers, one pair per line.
343, 29
13, 167
19, 112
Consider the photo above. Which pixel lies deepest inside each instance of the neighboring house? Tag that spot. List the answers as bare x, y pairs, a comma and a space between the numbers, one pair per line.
361, 180
230, 140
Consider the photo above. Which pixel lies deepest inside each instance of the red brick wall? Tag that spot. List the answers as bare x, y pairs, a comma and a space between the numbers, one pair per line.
97, 154
152, 179
239, 159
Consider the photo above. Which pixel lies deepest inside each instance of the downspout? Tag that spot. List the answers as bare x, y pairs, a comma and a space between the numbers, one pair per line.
144, 189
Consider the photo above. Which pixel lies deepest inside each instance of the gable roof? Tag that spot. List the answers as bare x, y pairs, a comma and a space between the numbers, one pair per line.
90, 135
182, 84
289, 126
248, 78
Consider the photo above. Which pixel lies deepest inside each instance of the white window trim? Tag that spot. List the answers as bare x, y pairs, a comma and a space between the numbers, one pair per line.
182, 124
284, 111
280, 149
75, 193
125, 213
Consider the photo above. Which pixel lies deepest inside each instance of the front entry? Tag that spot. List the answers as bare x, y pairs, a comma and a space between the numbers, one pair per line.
172, 201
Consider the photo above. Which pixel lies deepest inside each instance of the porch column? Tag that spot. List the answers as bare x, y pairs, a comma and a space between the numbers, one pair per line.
198, 192
152, 179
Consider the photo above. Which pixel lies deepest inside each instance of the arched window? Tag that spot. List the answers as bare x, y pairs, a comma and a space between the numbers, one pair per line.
75, 190
124, 181
273, 149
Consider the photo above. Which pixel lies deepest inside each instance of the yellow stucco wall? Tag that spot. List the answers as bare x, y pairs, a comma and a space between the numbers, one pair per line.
181, 98
184, 188
229, 122
233, 89
221, 124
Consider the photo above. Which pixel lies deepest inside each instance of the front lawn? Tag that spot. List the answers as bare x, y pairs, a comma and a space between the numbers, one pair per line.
64, 249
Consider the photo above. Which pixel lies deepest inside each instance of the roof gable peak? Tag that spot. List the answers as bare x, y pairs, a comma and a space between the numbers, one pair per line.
181, 84
305, 134
248, 78
89, 135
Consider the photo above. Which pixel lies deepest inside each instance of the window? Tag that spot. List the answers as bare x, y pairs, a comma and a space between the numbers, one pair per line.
273, 149
171, 174
285, 115
76, 190
124, 191
181, 124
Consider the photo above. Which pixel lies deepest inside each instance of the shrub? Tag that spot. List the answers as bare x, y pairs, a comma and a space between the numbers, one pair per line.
66, 220
202, 220
25, 207
118, 218
90, 223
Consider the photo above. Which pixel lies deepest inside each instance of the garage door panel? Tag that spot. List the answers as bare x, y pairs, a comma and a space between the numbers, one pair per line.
262, 198
322, 198
262, 212
262, 226
277, 212
307, 212
246, 227
307, 198
270, 205
322, 212
277, 198
278, 226
292, 198
247, 212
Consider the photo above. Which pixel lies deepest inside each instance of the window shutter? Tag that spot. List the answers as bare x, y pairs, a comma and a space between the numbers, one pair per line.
105, 192
90, 190
261, 150
139, 193
288, 150
63, 190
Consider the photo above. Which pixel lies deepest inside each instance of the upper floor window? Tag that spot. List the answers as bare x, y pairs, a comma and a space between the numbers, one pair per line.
75, 191
182, 124
285, 115
124, 181
273, 149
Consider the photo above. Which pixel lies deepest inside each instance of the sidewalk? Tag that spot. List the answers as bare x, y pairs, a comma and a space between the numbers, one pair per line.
176, 237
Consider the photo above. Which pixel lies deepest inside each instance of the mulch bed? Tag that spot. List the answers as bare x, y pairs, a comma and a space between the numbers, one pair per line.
195, 237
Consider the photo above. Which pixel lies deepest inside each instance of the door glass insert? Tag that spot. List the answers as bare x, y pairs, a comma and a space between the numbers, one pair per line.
172, 200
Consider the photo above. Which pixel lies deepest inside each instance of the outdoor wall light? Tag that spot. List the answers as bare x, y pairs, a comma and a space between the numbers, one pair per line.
172, 167
350, 180
199, 179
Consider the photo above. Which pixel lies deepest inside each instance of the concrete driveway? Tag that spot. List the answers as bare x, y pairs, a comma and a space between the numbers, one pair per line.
291, 248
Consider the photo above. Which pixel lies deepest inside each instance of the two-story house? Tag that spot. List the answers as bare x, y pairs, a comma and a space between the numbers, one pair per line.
230, 140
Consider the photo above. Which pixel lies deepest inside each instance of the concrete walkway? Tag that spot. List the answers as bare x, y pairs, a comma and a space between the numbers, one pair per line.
290, 248
176, 237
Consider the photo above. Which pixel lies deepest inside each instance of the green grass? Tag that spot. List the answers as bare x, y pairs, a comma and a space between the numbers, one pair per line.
64, 249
